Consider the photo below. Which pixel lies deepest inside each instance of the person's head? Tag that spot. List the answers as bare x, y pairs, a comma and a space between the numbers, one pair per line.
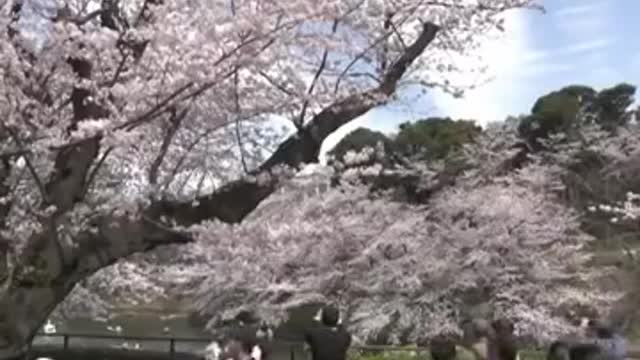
475, 329
264, 331
502, 327
329, 315
559, 350
237, 350
599, 329
442, 348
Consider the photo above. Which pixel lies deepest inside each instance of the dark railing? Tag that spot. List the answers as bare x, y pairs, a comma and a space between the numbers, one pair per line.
632, 352
171, 340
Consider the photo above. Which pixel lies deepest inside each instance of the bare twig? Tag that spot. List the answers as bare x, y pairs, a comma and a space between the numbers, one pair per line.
280, 87
190, 147
360, 56
323, 63
32, 169
94, 171
174, 123
236, 100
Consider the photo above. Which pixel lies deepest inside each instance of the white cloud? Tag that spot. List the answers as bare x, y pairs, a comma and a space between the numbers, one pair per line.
582, 9
506, 58
604, 76
572, 49
584, 21
635, 63
588, 46
543, 68
521, 71
515, 64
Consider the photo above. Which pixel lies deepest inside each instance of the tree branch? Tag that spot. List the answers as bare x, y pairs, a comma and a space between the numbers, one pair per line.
30, 167
281, 87
176, 97
233, 201
175, 119
94, 172
67, 183
25, 305
5, 206
187, 150
388, 17
316, 76
237, 110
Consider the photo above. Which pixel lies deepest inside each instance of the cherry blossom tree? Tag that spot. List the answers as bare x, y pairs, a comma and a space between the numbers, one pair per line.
533, 265
599, 166
106, 105
619, 211
403, 272
270, 283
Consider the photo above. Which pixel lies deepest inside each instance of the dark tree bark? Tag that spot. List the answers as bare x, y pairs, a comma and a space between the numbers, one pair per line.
237, 199
51, 268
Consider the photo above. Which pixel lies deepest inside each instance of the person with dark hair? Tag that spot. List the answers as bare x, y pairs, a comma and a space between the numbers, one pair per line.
329, 341
608, 339
442, 348
493, 340
503, 345
263, 342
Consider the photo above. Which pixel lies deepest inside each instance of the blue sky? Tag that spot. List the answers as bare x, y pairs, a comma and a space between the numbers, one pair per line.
591, 42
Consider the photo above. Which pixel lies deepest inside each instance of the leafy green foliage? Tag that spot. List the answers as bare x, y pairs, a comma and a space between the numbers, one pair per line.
359, 139
435, 138
576, 105
613, 104
432, 138
554, 112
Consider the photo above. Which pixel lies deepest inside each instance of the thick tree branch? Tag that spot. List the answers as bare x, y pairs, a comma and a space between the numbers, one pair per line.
67, 183
382, 39
27, 160
94, 172
384, 56
397, 70
50, 265
5, 206
42, 277
234, 201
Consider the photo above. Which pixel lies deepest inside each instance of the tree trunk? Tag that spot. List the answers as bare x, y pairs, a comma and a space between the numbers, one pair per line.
50, 270
50, 267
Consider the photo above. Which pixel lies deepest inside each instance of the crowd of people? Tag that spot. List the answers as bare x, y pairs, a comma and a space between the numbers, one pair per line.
493, 340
